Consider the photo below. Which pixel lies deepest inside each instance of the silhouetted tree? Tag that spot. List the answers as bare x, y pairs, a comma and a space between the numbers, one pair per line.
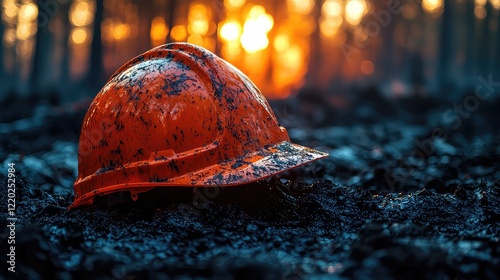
2, 67
497, 46
315, 52
272, 33
486, 40
172, 5
417, 78
42, 53
446, 49
65, 71
470, 33
219, 10
385, 58
95, 75
147, 10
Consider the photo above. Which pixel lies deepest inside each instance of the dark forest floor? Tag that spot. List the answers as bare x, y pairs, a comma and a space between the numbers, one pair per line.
375, 208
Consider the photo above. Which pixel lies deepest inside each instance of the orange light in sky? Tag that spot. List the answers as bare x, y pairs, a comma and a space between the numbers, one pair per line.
159, 31
234, 4
479, 9
354, 11
293, 57
495, 4
254, 42
81, 14
195, 39
179, 33
300, 6
25, 30
197, 11
432, 6
480, 2
255, 29
231, 49
121, 31
265, 22
80, 35
331, 8
281, 43
198, 27
9, 11
28, 12
328, 27
9, 37
230, 30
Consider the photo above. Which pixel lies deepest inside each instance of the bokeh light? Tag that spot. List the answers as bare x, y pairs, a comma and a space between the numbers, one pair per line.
121, 31
253, 42
80, 35
198, 27
230, 30
28, 12
25, 30
159, 31
272, 42
329, 27
410, 10
433, 6
179, 33
255, 29
195, 39
81, 13
300, 6
281, 43
9, 11
9, 37
234, 4
367, 67
231, 49
480, 12
480, 3
331, 8
354, 11
293, 57
495, 4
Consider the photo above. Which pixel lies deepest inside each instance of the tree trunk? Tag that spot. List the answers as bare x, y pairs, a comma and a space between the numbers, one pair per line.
172, 5
482, 44
2, 67
387, 50
485, 54
95, 75
445, 47
470, 19
147, 11
40, 69
497, 47
218, 16
315, 52
65, 69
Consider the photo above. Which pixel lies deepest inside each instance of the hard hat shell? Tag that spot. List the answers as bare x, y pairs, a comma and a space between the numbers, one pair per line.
178, 115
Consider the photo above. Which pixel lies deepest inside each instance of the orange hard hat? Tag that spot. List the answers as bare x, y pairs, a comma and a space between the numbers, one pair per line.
178, 115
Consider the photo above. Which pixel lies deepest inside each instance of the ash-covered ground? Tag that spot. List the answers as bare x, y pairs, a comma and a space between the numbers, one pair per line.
411, 189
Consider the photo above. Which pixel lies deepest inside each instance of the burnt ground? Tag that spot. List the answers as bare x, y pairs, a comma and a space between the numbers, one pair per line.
396, 198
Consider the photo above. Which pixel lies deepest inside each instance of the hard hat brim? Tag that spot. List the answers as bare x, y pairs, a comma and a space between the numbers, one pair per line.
253, 167
241, 170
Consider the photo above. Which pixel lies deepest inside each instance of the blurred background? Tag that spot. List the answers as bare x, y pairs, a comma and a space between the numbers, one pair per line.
66, 49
